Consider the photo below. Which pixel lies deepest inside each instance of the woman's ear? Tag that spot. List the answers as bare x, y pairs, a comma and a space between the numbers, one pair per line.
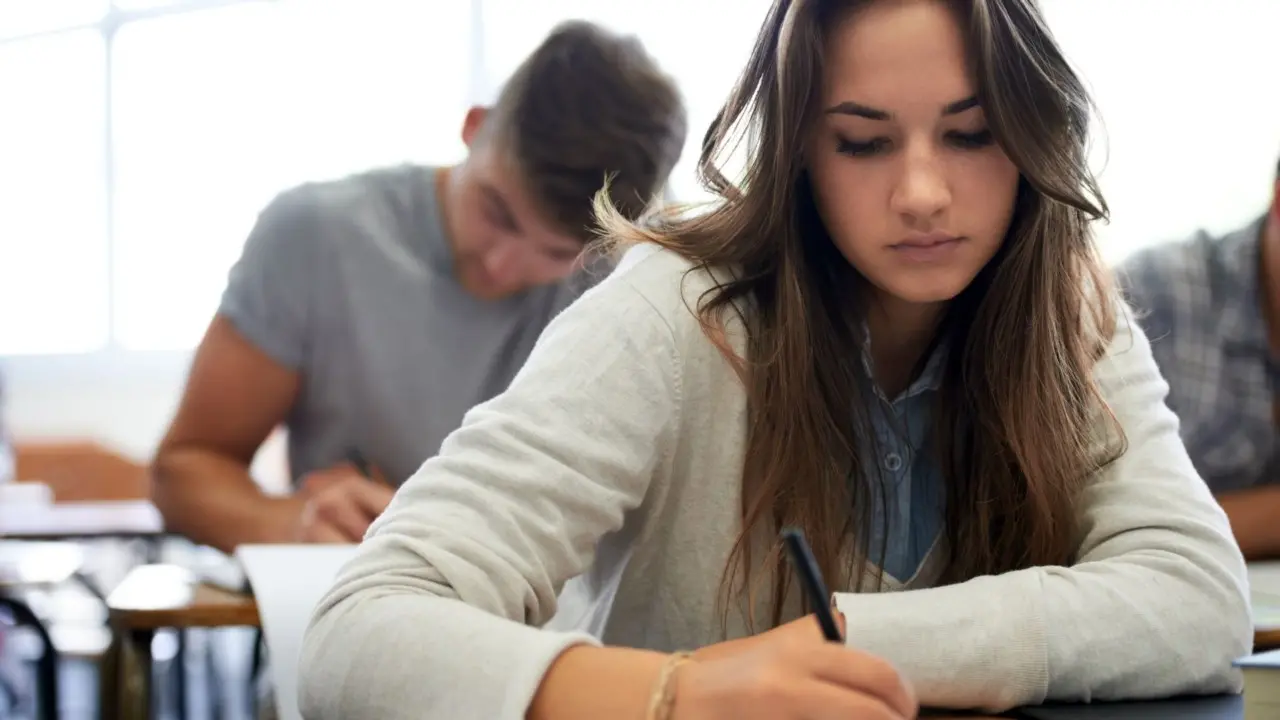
1275, 201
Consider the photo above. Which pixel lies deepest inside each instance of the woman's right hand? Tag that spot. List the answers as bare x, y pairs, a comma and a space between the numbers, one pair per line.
792, 676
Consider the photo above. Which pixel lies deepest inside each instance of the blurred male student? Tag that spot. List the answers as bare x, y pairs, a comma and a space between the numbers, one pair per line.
369, 314
1211, 306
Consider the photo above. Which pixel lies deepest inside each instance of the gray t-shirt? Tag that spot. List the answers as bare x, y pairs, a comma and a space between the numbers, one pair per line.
350, 283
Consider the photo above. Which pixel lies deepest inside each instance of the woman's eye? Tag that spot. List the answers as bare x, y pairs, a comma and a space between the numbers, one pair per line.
971, 141
857, 148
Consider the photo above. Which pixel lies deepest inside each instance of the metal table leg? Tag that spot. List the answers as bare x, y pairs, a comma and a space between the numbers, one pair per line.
47, 665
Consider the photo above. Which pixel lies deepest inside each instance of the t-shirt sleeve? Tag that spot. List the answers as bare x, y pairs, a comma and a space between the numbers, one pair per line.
269, 296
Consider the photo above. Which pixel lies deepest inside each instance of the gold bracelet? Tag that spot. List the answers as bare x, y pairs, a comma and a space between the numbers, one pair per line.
664, 691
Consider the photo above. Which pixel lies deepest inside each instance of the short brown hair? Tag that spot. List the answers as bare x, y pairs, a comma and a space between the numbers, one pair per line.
585, 106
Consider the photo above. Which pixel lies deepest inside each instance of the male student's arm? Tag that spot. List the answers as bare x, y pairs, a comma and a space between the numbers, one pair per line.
244, 381
235, 396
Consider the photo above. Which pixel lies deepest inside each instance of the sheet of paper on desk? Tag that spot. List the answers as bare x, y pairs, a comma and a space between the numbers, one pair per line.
1264, 594
287, 582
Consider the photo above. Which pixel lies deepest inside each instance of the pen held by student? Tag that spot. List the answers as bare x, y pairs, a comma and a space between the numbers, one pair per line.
811, 581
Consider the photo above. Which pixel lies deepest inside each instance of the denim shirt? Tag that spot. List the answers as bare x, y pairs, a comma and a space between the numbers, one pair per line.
900, 461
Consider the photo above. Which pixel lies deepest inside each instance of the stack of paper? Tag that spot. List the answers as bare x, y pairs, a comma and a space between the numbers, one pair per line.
287, 582
1264, 594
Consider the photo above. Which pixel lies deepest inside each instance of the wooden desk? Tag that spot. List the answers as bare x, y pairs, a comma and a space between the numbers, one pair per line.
150, 598
166, 596
1268, 639
81, 470
1264, 592
81, 520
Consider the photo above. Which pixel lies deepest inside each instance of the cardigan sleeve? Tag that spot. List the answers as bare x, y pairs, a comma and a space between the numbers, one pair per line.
1155, 605
437, 615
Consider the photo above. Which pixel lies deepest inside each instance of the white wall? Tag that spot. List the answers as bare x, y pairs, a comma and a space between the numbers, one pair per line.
1190, 107
123, 400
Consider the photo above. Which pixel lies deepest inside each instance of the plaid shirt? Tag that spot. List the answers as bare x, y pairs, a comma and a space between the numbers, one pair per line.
1199, 303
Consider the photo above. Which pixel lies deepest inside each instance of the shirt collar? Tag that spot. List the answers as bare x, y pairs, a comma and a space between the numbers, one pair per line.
929, 379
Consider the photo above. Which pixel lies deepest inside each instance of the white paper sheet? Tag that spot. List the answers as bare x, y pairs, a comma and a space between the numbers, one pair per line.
288, 581
1264, 592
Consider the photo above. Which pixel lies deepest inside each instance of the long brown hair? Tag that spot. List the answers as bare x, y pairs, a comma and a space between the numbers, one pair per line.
1017, 423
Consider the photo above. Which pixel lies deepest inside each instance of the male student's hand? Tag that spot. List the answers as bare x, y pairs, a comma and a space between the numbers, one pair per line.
339, 504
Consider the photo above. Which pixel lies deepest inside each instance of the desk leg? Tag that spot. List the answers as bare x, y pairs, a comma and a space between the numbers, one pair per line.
47, 665
135, 676
47, 670
180, 666
151, 547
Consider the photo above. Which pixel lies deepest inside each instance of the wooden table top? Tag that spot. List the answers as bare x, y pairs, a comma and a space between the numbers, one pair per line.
90, 519
1268, 639
166, 596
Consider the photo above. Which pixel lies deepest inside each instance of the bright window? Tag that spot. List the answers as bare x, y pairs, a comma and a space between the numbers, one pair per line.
25, 17
53, 228
205, 137
133, 163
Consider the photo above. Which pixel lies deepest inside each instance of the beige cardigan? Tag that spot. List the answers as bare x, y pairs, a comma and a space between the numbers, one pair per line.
615, 456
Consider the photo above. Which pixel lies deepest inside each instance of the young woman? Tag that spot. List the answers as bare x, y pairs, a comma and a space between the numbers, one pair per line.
896, 335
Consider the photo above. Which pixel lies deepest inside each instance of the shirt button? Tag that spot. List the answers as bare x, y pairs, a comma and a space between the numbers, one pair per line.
892, 462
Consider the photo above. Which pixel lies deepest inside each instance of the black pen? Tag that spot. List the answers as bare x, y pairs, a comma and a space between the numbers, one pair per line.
365, 468
358, 461
815, 589
356, 458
